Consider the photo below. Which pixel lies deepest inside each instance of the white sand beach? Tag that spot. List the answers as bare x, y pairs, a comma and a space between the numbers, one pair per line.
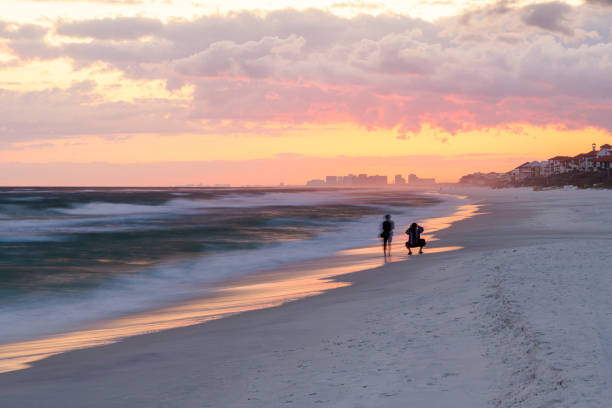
520, 317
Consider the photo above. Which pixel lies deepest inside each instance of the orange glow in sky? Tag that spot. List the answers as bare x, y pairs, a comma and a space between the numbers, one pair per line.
354, 88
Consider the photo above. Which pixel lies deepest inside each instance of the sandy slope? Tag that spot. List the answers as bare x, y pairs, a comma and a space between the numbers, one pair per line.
521, 317
549, 310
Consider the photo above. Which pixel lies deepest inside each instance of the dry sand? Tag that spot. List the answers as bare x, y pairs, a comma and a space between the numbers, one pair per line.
521, 317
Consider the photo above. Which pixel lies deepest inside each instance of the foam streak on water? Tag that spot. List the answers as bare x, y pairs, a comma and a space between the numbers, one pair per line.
70, 257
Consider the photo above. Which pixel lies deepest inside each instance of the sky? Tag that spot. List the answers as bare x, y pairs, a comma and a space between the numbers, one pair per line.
173, 92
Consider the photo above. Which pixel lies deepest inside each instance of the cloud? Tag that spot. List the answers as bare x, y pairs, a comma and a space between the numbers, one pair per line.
29, 146
540, 64
358, 5
120, 28
58, 113
252, 59
600, 2
549, 16
13, 31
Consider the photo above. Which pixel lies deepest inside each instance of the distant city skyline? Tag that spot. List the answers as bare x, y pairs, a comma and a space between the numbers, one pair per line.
363, 179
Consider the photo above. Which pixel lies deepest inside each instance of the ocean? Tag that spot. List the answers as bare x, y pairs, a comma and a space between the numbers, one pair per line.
73, 256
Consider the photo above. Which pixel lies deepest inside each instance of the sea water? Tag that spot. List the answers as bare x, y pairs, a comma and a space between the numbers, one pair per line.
71, 256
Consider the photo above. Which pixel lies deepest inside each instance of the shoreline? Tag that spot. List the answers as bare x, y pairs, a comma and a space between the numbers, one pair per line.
265, 289
518, 318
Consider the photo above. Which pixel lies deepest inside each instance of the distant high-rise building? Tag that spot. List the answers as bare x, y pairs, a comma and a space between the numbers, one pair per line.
315, 183
399, 180
414, 180
377, 180
331, 180
350, 180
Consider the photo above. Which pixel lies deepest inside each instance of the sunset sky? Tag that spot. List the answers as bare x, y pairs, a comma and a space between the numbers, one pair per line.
170, 92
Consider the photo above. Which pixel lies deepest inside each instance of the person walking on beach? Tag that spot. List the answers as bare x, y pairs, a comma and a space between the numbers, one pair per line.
387, 234
414, 238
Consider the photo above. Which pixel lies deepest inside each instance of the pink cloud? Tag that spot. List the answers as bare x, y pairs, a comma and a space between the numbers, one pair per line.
485, 68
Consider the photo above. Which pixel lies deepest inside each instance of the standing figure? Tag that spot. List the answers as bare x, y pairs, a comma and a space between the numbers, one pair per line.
414, 238
387, 234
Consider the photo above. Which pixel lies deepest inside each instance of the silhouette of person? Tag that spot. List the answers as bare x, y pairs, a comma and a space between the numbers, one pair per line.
387, 234
414, 238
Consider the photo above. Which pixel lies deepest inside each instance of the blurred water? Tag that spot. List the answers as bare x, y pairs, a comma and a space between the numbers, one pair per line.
69, 256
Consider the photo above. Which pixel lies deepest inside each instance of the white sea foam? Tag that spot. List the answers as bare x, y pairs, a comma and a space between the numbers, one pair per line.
163, 284
35, 229
238, 200
24, 199
106, 208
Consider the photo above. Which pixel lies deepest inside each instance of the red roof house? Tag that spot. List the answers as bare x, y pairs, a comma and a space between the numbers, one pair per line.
602, 163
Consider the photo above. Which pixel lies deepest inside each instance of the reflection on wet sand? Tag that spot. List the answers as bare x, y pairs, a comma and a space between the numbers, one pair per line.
253, 292
399, 254
431, 225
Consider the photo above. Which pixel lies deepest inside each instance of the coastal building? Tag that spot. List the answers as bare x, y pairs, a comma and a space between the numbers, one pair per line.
414, 180
604, 151
485, 179
560, 164
521, 172
349, 180
584, 161
315, 183
529, 170
603, 163
377, 180
545, 168
580, 162
399, 180
592, 161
